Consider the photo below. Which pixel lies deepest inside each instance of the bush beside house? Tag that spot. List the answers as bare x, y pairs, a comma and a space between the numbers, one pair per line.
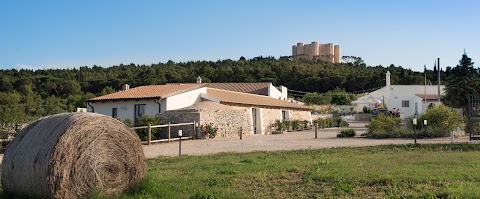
290, 125
145, 121
386, 127
330, 122
441, 121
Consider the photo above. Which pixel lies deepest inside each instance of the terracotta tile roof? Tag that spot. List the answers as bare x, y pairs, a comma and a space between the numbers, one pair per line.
430, 96
231, 97
259, 88
145, 92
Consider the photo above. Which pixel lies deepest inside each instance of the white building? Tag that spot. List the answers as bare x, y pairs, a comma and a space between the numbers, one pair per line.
410, 99
261, 102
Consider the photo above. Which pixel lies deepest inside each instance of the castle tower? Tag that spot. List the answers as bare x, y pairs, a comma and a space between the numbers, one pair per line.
315, 50
337, 56
325, 52
330, 54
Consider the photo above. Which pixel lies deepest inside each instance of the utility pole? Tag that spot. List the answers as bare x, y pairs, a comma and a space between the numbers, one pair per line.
425, 87
438, 69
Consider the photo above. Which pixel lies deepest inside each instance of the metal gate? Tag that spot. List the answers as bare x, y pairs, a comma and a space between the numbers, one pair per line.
473, 125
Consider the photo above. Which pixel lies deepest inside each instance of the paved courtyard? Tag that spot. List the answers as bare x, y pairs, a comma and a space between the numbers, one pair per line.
288, 141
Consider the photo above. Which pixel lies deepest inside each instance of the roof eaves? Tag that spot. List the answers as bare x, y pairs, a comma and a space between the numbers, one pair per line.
123, 99
273, 106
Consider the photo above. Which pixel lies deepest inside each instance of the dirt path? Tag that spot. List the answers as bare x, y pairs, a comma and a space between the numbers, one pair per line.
288, 141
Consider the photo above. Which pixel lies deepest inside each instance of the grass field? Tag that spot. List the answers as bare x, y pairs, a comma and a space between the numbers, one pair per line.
408, 171
403, 171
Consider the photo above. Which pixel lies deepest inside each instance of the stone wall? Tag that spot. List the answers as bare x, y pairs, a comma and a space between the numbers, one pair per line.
269, 116
363, 116
300, 115
323, 116
228, 122
177, 117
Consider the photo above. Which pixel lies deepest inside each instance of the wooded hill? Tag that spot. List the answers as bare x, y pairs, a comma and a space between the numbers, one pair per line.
40, 92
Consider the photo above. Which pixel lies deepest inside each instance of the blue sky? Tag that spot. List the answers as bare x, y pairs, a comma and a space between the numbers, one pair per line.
60, 34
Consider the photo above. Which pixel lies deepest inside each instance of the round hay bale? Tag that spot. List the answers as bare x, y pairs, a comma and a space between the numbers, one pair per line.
72, 155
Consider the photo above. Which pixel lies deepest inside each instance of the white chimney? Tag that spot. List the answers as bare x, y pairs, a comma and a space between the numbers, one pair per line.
199, 80
125, 87
387, 78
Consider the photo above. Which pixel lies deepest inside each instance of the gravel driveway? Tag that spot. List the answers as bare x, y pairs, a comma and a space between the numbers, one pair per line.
288, 141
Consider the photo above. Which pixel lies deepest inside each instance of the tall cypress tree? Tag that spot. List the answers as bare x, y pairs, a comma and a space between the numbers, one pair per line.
463, 80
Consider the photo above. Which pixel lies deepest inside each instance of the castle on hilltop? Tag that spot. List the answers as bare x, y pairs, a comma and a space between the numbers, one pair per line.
325, 52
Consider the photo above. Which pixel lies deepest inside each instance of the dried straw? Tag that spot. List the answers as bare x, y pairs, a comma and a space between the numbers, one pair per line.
71, 155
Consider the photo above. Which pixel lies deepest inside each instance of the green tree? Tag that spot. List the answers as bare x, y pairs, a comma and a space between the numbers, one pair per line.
53, 105
11, 111
463, 80
340, 97
107, 90
311, 98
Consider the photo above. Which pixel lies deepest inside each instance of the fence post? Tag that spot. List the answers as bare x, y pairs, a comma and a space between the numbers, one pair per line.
453, 136
316, 130
241, 133
149, 134
169, 132
193, 130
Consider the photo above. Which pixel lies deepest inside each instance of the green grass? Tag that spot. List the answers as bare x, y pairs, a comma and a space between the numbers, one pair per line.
408, 171
425, 171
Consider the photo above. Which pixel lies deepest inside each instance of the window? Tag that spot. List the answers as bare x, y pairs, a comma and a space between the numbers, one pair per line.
114, 112
284, 115
139, 111
159, 108
405, 103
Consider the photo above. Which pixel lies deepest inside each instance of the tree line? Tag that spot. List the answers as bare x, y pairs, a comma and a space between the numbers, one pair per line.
49, 91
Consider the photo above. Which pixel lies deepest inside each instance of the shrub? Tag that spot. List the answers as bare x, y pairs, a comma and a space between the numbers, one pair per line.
128, 122
399, 132
330, 122
441, 121
287, 125
382, 126
346, 133
305, 124
209, 130
145, 121
278, 125
403, 132
295, 125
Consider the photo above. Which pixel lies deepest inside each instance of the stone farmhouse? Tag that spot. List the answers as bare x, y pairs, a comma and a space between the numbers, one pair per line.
410, 99
252, 106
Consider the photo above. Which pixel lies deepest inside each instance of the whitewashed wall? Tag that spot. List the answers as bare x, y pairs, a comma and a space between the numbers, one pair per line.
395, 94
277, 94
125, 109
185, 99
